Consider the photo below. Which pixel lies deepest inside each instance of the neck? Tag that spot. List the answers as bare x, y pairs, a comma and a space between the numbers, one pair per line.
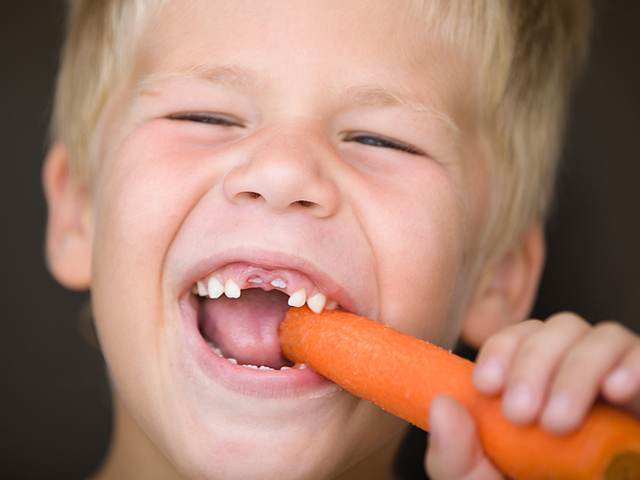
378, 465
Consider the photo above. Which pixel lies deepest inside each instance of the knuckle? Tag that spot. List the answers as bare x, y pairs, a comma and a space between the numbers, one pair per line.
534, 351
511, 338
610, 329
576, 361
633, 356
568, 319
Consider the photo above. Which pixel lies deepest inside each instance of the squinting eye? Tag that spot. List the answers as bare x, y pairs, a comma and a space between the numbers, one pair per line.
384, 142
205, 117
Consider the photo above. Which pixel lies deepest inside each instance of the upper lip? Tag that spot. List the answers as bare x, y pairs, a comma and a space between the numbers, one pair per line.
331, 287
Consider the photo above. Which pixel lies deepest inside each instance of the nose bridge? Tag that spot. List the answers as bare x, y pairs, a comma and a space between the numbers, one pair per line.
286, 169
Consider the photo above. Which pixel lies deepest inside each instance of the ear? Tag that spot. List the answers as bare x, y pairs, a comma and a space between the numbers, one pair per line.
505, 293
69, 234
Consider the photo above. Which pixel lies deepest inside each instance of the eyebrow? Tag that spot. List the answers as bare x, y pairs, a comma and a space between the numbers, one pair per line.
366, 95
221, 74
375, 96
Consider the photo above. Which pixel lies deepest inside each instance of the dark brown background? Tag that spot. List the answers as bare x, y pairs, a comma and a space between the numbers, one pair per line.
54, 406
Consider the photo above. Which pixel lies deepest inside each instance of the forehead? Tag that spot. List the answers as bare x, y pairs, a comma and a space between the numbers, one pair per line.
335, 45
329, 23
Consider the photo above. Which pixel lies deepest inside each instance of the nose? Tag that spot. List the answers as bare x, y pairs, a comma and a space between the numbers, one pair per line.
287, 171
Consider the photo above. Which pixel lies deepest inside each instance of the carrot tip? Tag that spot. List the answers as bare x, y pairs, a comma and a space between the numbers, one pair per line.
625, 466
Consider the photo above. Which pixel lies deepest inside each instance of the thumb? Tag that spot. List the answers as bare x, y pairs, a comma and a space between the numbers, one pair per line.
455, 451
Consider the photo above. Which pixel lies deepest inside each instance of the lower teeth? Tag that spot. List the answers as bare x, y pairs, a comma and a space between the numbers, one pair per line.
218, 352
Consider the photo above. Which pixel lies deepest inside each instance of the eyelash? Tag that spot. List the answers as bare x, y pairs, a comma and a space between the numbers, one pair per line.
208, 118
383, 142
363, 138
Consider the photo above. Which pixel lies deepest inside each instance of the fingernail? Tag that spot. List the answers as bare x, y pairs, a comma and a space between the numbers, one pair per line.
519, 403
620, 380
560, 416
559, 408
489, 375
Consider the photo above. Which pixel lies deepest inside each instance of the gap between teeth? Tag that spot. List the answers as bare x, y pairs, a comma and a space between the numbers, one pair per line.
214, 289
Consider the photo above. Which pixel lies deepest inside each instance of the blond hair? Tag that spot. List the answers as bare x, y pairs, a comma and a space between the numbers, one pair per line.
99, 48
527, 75
526, 56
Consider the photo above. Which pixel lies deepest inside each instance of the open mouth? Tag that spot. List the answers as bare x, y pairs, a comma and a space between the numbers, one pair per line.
240, 307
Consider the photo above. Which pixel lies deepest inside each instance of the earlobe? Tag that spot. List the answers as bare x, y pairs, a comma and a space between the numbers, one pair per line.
69, 225
505, 293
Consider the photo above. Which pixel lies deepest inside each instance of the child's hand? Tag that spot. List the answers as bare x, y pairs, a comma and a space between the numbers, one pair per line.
550, 373
455, 451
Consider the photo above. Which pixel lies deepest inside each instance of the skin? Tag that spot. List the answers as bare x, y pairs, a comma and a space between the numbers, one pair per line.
295, 94
573, 361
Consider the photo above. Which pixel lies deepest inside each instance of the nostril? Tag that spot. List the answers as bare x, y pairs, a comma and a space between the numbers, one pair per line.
246, 196
305, 203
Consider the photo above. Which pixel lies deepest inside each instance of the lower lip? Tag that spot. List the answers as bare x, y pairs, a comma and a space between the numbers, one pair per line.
294, 382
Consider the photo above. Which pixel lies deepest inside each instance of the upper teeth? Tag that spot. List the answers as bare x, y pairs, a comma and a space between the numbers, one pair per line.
298, 299
231, 289
317, 302
213, 288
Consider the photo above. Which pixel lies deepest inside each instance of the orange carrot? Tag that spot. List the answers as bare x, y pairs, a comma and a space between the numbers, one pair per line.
403, 374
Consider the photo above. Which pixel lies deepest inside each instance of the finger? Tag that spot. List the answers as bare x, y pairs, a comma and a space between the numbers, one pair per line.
580, 376
455, 451
497, 354
535, 365
622, 385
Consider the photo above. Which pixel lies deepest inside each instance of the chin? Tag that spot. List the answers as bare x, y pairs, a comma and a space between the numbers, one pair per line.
314, 438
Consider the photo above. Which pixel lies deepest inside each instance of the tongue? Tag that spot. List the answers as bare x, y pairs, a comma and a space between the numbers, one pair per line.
247, 328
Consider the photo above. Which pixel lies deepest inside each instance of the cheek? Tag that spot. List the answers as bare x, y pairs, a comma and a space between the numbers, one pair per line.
143, 197
420, 232
147, 188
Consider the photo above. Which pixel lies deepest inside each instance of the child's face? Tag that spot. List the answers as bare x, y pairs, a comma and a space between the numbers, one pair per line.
321, 145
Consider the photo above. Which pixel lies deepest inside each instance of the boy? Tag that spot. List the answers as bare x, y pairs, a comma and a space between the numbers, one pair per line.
215, 162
